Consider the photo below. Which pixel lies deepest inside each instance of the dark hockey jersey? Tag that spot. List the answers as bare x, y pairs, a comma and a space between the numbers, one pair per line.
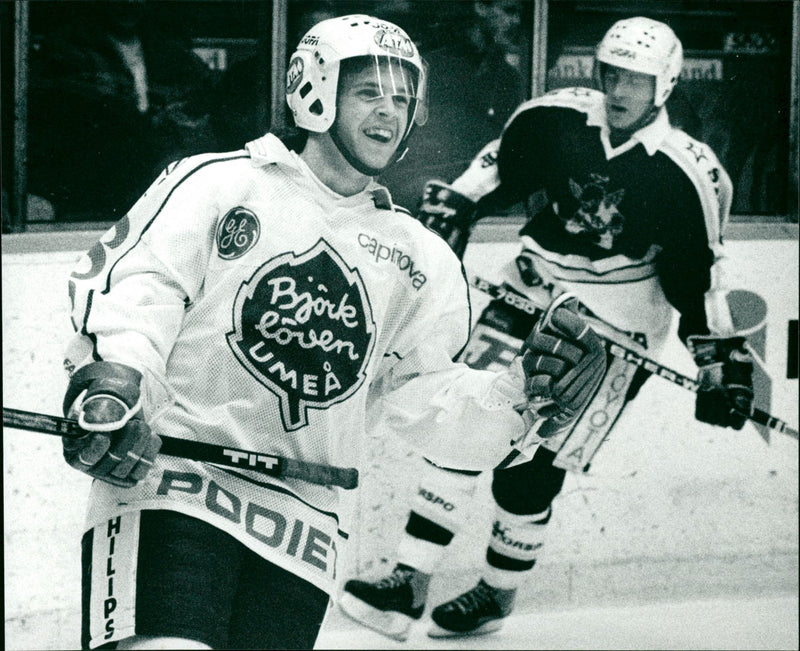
625, 227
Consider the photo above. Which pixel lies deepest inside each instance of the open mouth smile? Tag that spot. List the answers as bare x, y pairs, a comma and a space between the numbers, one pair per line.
379, 134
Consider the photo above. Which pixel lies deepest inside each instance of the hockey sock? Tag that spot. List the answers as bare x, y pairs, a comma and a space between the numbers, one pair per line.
436, 515
422, 555
513, 548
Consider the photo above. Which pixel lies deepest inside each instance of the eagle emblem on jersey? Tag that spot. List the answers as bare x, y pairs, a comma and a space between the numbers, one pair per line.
597, 210
303, 327
237, 233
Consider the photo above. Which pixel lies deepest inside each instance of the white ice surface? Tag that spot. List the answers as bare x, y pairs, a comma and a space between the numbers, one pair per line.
769, 623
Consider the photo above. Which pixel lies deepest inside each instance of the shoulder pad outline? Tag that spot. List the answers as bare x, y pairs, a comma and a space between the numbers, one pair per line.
700, 164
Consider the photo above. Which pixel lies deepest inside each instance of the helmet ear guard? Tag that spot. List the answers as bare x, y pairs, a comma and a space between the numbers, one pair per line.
311, 90
646, 46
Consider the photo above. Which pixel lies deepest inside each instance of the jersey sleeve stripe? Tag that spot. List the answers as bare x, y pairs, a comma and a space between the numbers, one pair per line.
84, 330
161, 207
469, 312
89, 298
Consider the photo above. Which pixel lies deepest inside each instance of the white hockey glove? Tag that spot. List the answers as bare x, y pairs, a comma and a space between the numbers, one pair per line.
119, 447
564, 362
448, 213
725, 394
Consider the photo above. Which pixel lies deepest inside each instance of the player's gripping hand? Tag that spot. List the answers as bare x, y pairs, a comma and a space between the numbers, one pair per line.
564, 362
725, 394
119, 447
448, 213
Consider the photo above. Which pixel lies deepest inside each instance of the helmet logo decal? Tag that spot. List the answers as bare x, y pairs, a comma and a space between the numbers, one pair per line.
622, 52
303, 327
294, 74
394, 43
237, 233
597, 211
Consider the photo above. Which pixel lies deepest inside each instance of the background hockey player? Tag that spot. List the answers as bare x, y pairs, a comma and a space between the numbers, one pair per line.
275, 299
631, 222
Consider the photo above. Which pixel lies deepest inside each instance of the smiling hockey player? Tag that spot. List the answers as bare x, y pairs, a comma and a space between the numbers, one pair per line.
275, 299
631, 222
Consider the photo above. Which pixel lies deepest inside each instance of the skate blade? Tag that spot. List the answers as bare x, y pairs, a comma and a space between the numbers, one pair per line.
491, 626
391, 624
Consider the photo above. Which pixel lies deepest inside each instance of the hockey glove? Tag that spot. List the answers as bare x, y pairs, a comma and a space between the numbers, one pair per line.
119, 447
564, 362
448, 213
725, 394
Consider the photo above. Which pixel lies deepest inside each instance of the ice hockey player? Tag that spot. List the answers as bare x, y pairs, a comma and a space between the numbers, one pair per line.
275, 299
632, 224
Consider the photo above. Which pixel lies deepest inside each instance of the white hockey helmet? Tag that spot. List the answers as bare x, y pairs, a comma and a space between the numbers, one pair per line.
313, 73
647, 46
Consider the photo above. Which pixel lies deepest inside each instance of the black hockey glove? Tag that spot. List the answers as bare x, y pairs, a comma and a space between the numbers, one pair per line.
448, 213
725, 394
564, 362
119, 447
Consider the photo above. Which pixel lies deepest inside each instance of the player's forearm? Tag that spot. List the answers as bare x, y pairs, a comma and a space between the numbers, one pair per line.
128, 347
686, 279
137, 321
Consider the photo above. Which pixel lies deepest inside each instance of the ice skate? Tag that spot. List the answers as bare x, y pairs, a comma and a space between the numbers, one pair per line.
389, 605
475, 612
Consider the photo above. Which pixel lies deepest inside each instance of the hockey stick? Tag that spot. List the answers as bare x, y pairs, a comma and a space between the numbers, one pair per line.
266, 464
530, 306
623, 352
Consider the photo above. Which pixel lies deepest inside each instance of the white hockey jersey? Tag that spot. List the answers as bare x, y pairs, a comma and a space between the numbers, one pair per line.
268, 313
633, 230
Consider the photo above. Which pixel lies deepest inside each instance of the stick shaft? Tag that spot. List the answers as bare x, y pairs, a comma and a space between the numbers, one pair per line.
757, 416
267, 464
529, 306
620, 350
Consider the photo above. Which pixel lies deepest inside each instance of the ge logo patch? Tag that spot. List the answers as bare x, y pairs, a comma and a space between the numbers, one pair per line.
303, 327
237, 233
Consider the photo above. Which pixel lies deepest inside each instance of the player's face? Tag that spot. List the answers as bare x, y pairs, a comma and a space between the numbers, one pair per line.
629, 96
370, 122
